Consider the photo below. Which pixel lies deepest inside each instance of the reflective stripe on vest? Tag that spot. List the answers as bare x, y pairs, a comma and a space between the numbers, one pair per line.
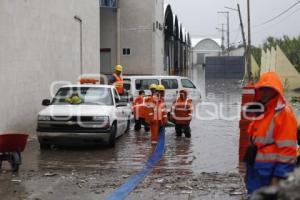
185, 105
287, 143
273, 157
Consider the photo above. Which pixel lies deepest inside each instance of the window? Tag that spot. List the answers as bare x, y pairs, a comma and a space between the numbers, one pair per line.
143, 84
109, 3
127, 84
170, 83
186, 83
126, 51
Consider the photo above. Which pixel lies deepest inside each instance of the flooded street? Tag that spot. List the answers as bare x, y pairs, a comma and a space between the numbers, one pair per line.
203, 167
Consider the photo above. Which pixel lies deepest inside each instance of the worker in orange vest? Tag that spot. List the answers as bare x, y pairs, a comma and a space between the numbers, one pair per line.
117, 79
158, 113
150, 102
181, 112
139, 112
273, 136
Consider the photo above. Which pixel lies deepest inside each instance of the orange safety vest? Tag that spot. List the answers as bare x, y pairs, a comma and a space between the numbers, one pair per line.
275, 134
182, 110
150, 103
163, 111
139, 107
158, 111
119, 83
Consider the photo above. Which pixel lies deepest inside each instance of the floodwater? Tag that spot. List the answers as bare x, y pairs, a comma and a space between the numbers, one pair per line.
203, 167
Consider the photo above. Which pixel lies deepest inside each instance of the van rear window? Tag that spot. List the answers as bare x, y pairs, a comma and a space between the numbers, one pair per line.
170, 83
143, 84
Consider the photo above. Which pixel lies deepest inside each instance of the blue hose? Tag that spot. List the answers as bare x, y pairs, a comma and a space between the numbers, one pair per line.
125, 189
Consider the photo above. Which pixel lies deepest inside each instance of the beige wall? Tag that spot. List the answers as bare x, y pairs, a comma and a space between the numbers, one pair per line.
109, 36
137, 33
40, 44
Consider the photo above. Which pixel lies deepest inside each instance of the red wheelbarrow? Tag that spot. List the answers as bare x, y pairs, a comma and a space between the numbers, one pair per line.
11, 146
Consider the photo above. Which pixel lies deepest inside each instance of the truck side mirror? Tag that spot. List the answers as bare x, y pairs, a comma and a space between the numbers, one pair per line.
46, 102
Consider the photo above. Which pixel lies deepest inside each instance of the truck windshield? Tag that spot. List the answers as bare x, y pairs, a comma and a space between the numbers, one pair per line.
83, 96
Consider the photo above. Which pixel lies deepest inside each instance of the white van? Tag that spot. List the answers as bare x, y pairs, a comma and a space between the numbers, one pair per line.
133, 84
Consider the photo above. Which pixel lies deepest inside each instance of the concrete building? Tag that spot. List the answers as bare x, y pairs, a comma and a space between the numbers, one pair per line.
132, 35
203, 48
43, 42
144, 37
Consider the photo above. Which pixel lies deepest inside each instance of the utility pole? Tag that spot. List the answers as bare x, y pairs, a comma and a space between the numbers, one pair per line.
242, 27
228, 30
246, 54
249, 44
223, 38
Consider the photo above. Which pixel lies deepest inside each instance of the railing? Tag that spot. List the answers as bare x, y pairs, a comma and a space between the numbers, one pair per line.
109, 3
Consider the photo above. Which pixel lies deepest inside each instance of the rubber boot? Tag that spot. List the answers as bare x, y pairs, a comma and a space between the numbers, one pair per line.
178, 130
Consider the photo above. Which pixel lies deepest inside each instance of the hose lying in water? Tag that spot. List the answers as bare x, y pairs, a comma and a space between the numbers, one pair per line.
125, 189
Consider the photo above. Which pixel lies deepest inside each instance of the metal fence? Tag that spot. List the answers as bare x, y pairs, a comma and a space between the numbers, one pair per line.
225, 67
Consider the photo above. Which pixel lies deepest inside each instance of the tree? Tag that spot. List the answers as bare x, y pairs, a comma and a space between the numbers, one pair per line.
290, 46
256, 52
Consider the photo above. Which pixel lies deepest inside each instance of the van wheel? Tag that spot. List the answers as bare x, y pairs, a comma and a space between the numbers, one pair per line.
112, 137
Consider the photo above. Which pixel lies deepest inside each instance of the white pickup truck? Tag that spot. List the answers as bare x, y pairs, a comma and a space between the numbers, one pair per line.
80, 114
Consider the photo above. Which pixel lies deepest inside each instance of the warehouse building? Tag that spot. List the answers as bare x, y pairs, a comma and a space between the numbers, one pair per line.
43, 42
143, 36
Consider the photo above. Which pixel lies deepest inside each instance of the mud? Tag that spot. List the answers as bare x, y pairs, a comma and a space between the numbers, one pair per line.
203, 167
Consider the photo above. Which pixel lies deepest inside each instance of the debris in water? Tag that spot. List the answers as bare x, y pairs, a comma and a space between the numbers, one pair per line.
49, 174
159, 181
295, 100
236, 193
125, 176
16, 181
186, 192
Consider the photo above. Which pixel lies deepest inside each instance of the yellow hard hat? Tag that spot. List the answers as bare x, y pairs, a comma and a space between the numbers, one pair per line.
160, 88
152, 86
119, 68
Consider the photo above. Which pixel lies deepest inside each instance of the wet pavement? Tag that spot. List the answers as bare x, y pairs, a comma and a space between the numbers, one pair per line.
203, 167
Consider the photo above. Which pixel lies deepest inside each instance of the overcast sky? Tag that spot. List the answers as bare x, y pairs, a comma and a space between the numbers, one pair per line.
200, 18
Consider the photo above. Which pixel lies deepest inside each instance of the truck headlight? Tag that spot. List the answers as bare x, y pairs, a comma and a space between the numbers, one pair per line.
44, 118
101, 119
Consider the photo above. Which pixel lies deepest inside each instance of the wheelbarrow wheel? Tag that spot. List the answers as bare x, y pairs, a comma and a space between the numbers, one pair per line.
15, 161
44, 146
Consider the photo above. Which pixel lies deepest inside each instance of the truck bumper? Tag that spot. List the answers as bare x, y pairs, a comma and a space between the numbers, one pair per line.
69, 138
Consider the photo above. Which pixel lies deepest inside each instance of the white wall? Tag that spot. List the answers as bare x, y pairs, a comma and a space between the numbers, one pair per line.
40, 44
